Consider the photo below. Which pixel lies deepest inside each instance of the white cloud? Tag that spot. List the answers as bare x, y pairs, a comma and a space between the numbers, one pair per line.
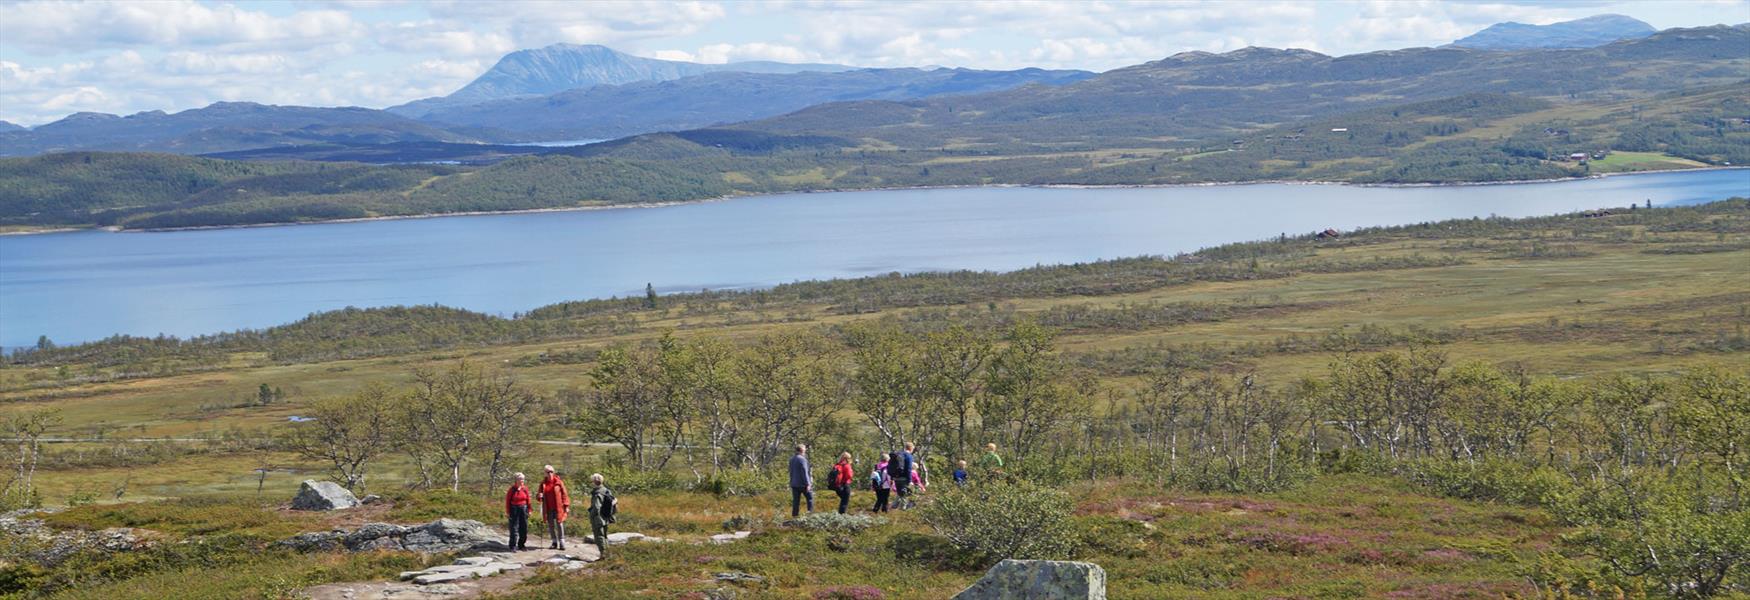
432, 37
56, 26
722, 53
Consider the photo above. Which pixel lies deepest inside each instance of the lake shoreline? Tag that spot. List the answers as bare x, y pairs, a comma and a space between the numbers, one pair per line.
1071, 186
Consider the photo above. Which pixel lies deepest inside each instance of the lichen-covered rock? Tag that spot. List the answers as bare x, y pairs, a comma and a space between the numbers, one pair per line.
442, 535
450, 535
375, 536
315, 541
1039, 580
26, 537
323, 495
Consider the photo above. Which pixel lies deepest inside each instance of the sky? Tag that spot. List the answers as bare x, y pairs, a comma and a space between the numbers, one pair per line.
58, 57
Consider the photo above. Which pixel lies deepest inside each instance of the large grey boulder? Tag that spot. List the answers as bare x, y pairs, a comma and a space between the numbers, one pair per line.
323, 495
1039, 580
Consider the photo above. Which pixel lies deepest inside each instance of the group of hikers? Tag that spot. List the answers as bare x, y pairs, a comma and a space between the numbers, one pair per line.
895, 474
555, 502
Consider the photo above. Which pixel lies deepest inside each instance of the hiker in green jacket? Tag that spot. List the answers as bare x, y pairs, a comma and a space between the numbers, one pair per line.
991, 465
601, 512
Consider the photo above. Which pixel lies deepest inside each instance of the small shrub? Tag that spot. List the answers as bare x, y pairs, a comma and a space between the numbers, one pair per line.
840, 542
738, 523
850, 592
631, 481
934, 551
740, 482
1500, 481
1112, 536
81, 497
1342, 460
434, 504
1005, 520
837, 523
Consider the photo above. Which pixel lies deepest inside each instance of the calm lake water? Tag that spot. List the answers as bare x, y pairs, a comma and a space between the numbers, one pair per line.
88, 285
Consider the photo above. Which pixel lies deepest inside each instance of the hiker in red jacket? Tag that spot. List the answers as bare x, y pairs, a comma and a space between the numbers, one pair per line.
841, 479
555, 503
516, 508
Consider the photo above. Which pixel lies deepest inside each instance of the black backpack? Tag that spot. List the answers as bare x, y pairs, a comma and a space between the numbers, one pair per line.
610, 506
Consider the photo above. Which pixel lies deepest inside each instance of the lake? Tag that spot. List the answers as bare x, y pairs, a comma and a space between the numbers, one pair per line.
81, 286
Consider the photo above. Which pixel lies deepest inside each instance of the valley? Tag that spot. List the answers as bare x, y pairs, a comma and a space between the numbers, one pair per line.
1061, 300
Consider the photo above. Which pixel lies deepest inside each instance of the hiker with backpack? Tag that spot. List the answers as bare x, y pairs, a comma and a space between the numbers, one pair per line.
555, 506
899, 469
881, 483
801, 482
603, 509
841, 479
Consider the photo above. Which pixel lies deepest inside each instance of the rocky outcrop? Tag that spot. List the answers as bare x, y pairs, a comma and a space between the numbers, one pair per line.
31, 538
1039, 580
450, 535
442, 535
323, 495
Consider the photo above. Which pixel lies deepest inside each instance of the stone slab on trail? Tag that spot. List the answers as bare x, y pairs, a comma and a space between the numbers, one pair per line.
466, 579
625, 537
1039, 580
724, 538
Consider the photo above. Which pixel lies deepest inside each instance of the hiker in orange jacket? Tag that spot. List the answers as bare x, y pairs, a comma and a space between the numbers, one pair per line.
555, 504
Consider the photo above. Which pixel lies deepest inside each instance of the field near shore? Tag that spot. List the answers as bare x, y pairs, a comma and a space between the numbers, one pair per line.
1573, 297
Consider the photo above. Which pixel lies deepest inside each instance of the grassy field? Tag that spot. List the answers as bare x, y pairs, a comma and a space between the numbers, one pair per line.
1629, 162
1343, 536
1568, 300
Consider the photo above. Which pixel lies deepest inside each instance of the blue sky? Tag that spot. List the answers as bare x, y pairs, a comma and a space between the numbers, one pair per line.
59, 57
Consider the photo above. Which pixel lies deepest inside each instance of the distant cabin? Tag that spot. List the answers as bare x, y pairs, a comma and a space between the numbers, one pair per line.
1329, 234
1578, 157
1339, 129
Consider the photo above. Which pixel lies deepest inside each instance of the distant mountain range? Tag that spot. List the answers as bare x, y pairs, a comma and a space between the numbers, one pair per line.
611, 111
561, 67
6, 126
566, 92
1580, 33
614, 95
1198, 95
221, 127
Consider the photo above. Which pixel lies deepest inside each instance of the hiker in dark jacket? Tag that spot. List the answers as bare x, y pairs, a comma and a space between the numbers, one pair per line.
599, 499
801, 481
900, 470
